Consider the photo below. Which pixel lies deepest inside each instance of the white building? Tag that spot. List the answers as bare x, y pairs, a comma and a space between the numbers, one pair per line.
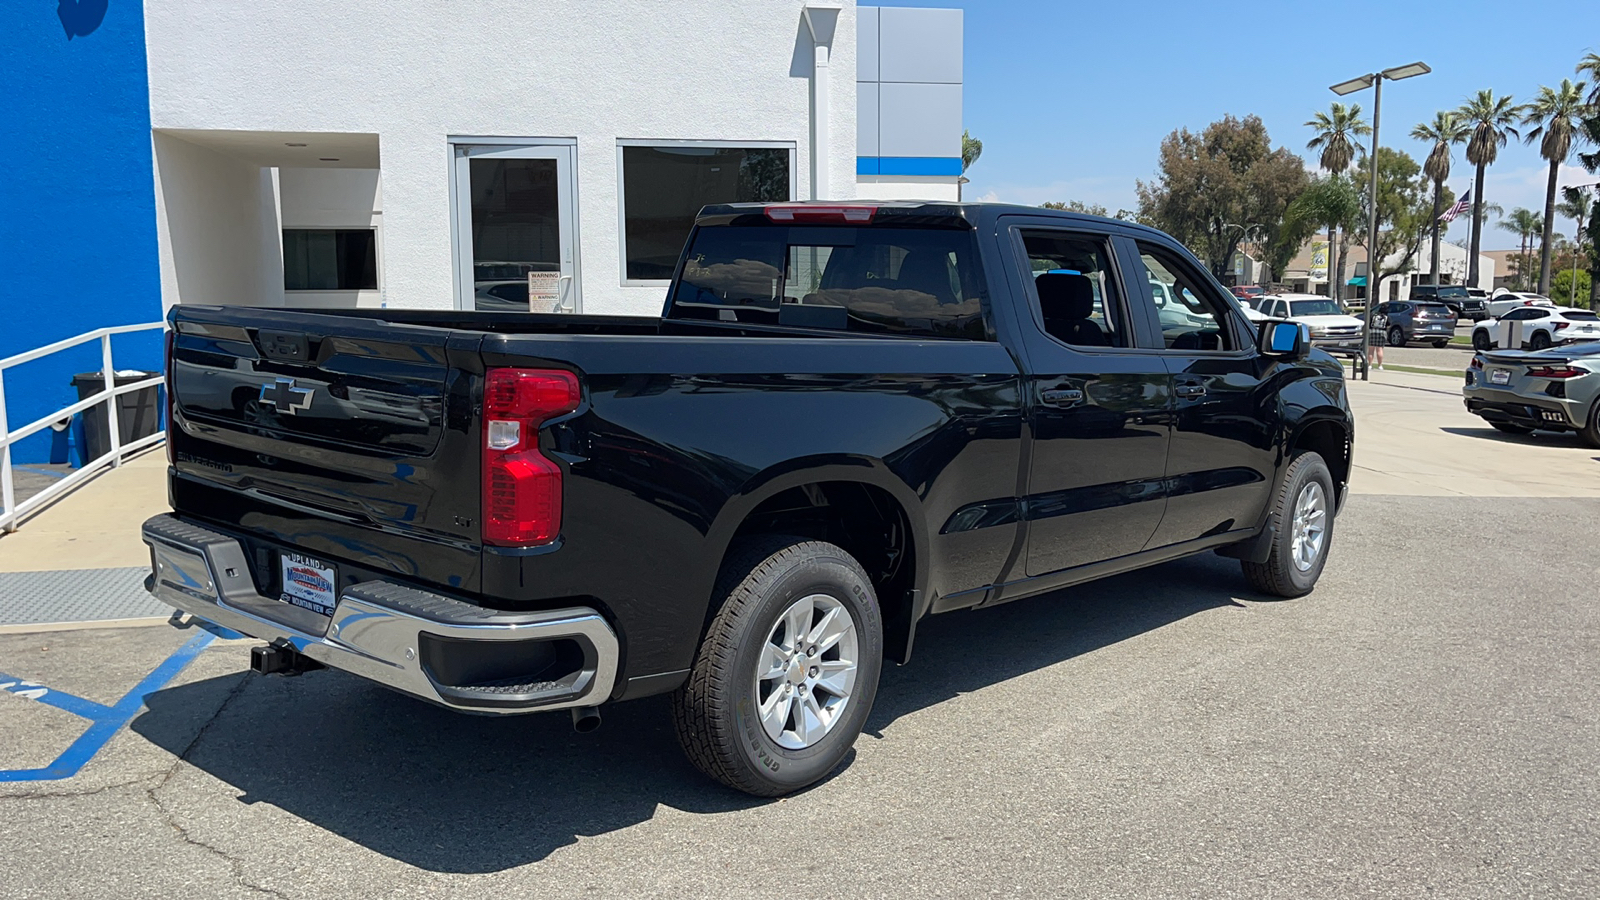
491, 154
1307, 273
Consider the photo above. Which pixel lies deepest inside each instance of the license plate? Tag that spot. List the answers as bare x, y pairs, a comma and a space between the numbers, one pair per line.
1500, 376
309, 584
1435, 327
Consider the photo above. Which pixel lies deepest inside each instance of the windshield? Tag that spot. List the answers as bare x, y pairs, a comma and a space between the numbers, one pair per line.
1451, 291
1433, 309
1314, 308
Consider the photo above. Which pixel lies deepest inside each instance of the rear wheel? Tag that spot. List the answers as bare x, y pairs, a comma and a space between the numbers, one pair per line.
1511, 428
1539, 341
1481, 342
1302, 517
1397, 336
785, 677
1590, 432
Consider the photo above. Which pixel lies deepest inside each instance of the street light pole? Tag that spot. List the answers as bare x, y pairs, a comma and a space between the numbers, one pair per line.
1374, 80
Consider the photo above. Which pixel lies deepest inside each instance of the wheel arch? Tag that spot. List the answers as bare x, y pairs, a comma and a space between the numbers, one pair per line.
856, 503
1329, 434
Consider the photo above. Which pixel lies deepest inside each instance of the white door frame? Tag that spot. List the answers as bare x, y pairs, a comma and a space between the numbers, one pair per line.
565, 153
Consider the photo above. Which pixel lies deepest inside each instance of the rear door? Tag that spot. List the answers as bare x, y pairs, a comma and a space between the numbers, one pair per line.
348, 437
1097, 406
1221, 461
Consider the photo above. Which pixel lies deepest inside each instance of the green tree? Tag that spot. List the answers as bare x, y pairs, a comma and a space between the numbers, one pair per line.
1589, 238
1334, 130
1552, 120
1335, 201
1213, 187
971, 149
1077, 206
1564, 291
1445, 129
1590, 66
1402, 215
1524, 223
1493, 120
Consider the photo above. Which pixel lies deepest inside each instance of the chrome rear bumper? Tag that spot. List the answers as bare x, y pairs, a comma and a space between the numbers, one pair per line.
414, 641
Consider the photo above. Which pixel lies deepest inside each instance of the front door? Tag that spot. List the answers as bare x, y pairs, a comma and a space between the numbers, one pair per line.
515, 241
1099, 406
1221, 463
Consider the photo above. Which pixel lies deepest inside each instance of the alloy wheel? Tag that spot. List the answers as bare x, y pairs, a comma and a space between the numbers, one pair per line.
807, 671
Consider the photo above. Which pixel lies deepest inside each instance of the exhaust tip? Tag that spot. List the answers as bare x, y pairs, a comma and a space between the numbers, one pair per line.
585, 720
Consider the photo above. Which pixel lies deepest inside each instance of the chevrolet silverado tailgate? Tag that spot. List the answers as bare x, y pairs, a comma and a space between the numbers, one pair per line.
350, 438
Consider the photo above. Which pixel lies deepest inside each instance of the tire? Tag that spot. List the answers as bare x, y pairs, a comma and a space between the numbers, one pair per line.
1590, 432
1397, 336
1481, 342
1440, 345
1511, 428
1539, 341
1287, 572
765, 584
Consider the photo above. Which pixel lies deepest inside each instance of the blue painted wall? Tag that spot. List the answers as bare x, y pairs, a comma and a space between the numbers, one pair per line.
77, 198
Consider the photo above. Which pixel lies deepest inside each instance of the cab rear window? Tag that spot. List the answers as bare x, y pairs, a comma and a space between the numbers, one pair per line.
879, 279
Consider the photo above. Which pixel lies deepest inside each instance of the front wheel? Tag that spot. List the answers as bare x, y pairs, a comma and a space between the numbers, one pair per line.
1397, 337
1302, 516
785, 677
1481, 342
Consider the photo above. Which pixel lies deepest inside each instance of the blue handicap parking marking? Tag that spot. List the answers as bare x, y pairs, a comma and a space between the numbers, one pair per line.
104, 721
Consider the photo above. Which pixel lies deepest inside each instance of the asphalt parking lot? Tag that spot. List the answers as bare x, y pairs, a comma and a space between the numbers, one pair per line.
1423, 724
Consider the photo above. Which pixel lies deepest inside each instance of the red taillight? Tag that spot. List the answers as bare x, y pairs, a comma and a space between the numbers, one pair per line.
521, 486
1560, 325
1475, 364
1555, 372
859, 215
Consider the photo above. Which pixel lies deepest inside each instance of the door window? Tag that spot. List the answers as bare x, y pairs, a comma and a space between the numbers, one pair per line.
1190, 314
1075, 299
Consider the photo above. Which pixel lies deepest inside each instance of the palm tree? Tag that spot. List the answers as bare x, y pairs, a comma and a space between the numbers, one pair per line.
1590, 65
1334, 129
1574, 205
1552, 120
1492, 119
1524, 223
1446, 129
1334, 199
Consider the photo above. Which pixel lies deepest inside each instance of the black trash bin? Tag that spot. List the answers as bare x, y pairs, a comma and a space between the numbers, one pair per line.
138, 412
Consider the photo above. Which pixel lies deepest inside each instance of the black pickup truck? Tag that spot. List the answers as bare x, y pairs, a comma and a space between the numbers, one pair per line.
847, 417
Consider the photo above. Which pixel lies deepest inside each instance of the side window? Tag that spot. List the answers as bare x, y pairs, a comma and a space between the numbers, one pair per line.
1515, 315
1074, 292
1191, 315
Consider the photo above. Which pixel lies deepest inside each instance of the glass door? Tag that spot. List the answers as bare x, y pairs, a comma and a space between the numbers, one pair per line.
514, 228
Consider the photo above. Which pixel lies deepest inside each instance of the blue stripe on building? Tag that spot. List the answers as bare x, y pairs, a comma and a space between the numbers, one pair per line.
77, 203
944, 166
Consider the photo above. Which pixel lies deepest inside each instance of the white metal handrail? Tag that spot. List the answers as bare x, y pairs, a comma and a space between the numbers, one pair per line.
11, 512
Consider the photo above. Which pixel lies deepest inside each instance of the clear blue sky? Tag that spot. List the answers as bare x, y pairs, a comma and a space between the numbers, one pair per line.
1071, 98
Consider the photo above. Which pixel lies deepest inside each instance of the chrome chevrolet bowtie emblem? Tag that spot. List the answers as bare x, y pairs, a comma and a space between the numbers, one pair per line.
282, 395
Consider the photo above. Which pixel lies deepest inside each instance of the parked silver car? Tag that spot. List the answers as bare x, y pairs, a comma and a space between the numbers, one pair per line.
1518, 391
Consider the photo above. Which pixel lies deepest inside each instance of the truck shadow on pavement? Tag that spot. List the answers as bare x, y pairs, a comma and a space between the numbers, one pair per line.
454, 793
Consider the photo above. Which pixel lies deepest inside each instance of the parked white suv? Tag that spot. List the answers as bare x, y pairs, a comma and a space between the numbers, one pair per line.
1331, 328
1536, 328
1505, 301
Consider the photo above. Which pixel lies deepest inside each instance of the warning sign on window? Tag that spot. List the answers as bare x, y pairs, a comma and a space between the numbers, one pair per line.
544, 292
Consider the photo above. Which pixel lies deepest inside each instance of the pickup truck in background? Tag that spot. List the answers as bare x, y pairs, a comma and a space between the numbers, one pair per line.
848, 417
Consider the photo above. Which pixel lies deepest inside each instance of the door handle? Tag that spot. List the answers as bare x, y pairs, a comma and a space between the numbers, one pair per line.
562, 295
1062, 396
1191, 390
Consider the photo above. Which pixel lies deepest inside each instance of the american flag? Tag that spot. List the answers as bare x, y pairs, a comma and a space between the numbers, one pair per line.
1462, 205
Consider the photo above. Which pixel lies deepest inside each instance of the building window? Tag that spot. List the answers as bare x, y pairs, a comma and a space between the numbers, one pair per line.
663, 187
316, 259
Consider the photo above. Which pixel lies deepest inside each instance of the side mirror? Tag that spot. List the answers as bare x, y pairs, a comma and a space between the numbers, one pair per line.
1284, 339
